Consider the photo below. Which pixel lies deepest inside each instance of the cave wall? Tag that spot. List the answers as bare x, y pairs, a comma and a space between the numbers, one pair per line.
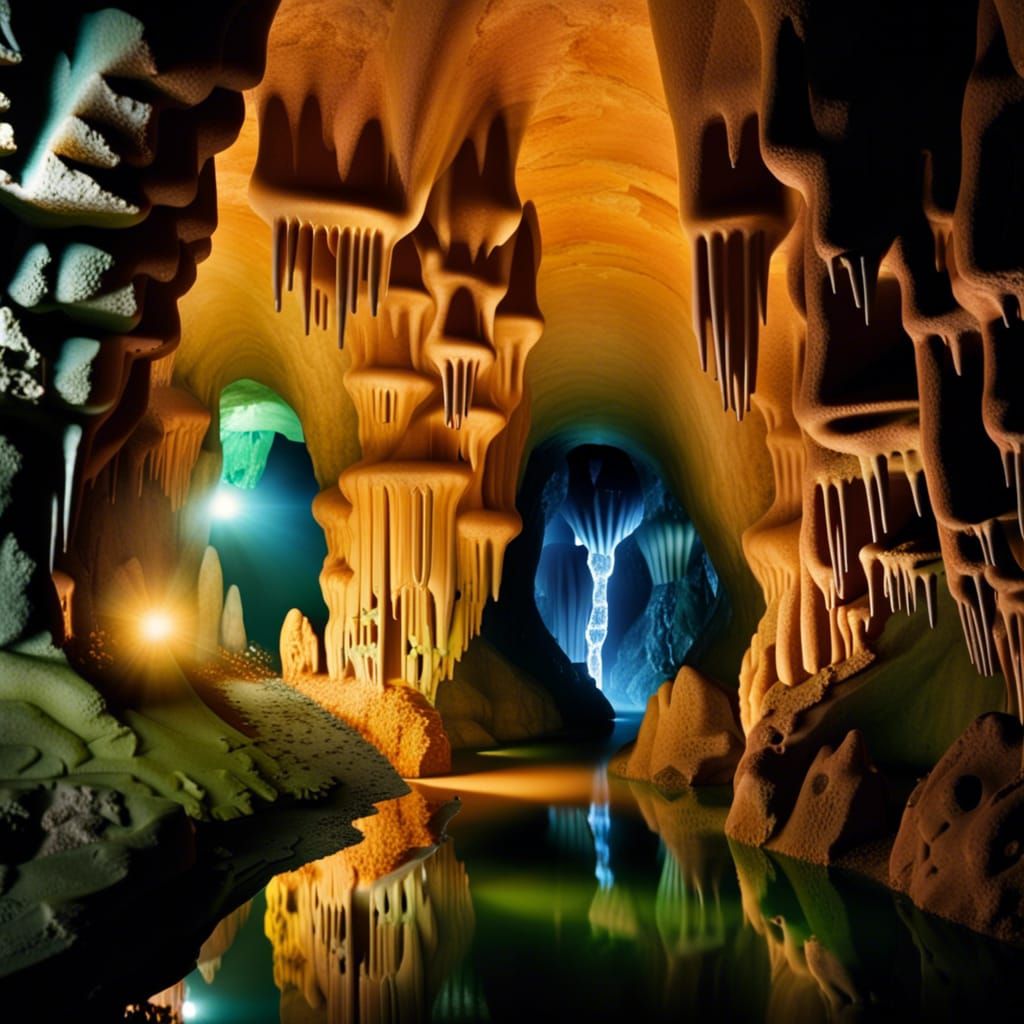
846, 264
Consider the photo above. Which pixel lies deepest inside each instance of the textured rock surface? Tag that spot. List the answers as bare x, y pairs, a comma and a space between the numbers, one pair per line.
489, 702
689, 736
959, 852
300, 647
673, 622
793, 790
842, 804
397, 720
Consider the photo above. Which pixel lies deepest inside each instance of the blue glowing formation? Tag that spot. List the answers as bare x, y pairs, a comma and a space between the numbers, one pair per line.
603, 505
601, 568
563, 589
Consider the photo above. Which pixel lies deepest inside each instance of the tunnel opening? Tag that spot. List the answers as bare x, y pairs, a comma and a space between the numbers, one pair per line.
622, 583
270, 546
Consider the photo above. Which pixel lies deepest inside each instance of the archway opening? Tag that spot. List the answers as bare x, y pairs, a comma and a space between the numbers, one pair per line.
623, 583
270, 546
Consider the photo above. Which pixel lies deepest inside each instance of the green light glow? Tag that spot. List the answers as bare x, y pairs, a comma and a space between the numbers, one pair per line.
251, 414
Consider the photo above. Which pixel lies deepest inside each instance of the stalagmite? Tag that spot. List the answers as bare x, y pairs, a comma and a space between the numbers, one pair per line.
210, 605
232, 623
300, 647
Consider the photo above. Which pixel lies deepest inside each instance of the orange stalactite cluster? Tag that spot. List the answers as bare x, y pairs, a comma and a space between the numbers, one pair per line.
426, 260
904, 295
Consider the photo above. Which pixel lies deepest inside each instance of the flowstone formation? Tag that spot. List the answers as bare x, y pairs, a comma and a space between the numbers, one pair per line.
395, 222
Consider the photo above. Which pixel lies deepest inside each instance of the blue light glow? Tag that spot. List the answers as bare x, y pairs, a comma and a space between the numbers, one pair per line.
600, 821
225, 504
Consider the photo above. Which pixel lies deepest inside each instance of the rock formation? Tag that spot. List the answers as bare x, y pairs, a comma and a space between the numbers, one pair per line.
210, 604
300, 647
232, 622
959, 852
805, 785
689, 736
488, 702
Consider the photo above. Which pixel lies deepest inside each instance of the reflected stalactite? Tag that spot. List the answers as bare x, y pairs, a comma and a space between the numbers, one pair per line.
371, 941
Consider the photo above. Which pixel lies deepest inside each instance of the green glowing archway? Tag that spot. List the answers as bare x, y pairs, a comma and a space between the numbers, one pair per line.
250, 415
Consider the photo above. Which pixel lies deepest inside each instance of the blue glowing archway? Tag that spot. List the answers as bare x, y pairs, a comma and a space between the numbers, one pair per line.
623, 582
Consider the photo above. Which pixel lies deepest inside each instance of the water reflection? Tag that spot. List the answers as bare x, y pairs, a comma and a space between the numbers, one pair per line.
374, 932
615, 905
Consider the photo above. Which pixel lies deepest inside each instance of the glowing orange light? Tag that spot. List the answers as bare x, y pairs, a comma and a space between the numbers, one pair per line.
157, 626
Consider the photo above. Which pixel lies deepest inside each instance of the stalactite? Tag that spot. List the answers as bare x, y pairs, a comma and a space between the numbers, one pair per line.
905, 569
182, 422
334, 263
733, 211
603, 506
666, 546
417, 532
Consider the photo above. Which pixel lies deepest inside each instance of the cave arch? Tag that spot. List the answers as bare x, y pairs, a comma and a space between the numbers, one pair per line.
261, 522
516, 624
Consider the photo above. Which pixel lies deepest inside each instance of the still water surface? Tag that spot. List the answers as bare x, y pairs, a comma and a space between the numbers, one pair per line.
562, 894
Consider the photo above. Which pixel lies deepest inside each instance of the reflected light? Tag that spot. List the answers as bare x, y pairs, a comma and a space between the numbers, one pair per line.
225, 504
156, 626
189, 1010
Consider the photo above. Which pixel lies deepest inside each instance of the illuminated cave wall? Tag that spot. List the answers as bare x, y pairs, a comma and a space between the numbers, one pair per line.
111, 118
853, 189
888, 405
394, 225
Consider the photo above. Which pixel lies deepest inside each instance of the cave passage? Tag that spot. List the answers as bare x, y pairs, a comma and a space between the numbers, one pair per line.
623, 583
270, 545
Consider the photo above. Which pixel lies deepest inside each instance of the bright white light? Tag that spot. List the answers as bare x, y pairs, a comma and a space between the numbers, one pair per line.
189, 1010
225, 504
156, 626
